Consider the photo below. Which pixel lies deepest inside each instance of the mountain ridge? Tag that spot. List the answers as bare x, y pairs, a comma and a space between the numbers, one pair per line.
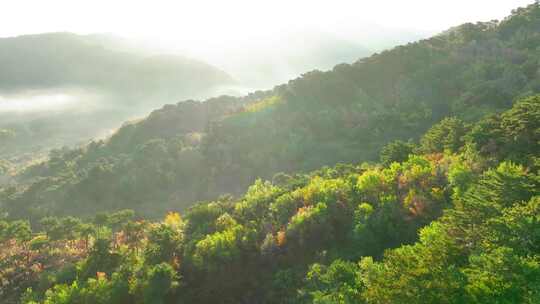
322, 118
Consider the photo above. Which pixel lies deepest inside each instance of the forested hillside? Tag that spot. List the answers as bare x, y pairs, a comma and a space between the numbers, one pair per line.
195, 151
410, 177
452, 218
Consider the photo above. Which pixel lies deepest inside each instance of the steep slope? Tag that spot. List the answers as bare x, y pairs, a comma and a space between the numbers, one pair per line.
321, 118
453, 221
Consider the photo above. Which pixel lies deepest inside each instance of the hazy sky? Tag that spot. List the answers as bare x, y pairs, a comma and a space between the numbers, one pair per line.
222, 21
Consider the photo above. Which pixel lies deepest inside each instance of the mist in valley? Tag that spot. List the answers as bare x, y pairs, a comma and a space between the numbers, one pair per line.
246, 151
63, 89
40, 120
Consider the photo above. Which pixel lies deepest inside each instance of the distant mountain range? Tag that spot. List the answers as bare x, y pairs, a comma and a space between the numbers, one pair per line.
267, 61
65, 59
281, 196
62, 89
263, 64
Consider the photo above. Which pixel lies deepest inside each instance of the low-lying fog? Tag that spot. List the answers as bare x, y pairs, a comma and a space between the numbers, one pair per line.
36, 102
91, 83
45, 119
115, 79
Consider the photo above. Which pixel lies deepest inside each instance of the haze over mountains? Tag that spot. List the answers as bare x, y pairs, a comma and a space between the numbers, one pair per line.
273, 59
61, 89
200, 150
67, 60
407, 176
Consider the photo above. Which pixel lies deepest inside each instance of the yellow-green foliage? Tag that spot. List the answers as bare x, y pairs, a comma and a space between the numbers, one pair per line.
326, 190
311, 213
309, 224
225, 222
222, 247
263, 104
372, 183
285, 206
257, 199
4, 166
